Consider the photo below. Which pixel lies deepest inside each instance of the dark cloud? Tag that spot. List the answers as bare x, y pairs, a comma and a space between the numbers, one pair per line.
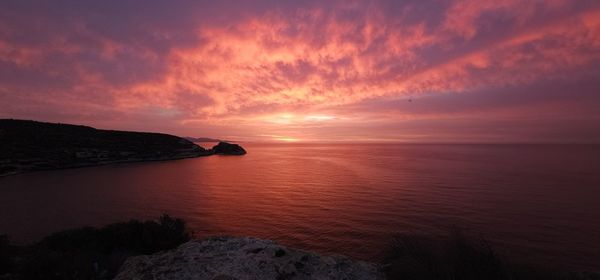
582, 94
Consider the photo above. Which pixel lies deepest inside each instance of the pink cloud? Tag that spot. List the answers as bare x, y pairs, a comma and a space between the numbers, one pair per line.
242, 75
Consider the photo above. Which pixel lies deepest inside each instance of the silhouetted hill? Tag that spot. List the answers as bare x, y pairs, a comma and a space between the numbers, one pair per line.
31, 145
203, 139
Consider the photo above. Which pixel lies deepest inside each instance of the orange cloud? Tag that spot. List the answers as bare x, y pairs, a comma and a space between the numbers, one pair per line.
288, 71
256, 63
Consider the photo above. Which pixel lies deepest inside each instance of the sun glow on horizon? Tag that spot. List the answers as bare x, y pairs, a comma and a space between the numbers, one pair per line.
319, 118
287, 139
290, 118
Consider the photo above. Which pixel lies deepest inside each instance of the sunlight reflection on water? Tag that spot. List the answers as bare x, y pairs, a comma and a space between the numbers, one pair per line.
539, 201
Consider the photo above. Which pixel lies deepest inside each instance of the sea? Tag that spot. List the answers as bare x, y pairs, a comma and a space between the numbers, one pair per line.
536, 203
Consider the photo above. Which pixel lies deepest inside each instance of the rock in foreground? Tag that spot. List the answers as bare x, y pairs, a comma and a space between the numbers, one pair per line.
224, 148
243, 258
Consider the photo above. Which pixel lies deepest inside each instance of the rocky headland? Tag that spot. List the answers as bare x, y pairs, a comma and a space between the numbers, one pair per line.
30, 146
231, 258
224, 148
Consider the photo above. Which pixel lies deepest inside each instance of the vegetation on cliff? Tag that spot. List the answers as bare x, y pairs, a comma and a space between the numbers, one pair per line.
30, 145
460, 256
100, 253
88, 252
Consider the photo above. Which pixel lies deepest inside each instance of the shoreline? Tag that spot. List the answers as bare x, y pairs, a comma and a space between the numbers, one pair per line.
28, 146
104, 163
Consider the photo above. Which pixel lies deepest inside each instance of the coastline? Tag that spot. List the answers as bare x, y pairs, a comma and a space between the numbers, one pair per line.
27, 146
101, 163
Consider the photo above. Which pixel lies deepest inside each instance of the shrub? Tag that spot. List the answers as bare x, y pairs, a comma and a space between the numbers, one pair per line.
458, 256
5, 253
135, 236
98, 253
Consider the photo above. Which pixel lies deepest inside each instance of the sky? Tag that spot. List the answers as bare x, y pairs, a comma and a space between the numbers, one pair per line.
465, 71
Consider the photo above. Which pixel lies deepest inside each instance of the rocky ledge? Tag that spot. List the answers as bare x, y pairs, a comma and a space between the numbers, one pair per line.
230, 258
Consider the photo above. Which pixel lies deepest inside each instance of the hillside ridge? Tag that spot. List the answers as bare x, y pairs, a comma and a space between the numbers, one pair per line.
31, 145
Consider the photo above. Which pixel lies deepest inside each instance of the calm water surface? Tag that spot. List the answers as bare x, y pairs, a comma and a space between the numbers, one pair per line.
539, 201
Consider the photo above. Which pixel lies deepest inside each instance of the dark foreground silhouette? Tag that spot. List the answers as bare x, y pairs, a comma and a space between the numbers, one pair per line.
98, 253
458, 256
30, 145
88, 252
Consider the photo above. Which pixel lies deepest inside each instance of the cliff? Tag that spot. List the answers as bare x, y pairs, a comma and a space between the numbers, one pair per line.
30, 145
243, 258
